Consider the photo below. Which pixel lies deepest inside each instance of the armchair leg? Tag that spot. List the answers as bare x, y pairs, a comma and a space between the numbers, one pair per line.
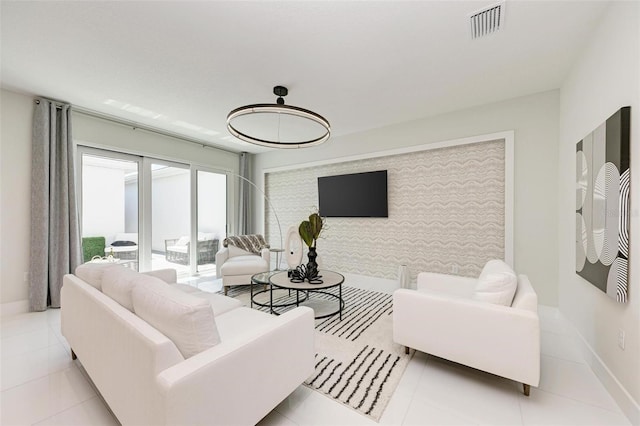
73, 355
526, 389
225, 290
406, 350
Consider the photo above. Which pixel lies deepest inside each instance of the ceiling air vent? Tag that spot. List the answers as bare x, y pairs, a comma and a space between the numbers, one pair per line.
487, 21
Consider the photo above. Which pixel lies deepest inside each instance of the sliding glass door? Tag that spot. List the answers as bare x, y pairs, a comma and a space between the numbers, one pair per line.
109, 205
146, 213
170, 217
211, 217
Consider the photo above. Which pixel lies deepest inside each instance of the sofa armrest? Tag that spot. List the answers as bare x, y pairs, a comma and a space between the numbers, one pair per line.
263, 367
499, 339
168, 275
266, 254
451, 284
221, 256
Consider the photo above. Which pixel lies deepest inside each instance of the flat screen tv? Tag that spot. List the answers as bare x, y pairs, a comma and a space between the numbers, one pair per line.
353, 195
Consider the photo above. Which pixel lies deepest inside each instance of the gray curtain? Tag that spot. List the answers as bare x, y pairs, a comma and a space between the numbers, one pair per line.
244, 208
55, 230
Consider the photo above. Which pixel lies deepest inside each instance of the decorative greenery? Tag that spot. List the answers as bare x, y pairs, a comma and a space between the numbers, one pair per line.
92, 246
311, 229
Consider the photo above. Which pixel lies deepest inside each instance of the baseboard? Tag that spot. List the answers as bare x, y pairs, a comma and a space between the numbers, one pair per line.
14, 308
625, 401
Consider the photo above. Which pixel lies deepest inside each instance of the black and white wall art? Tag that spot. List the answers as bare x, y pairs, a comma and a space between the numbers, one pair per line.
602, 206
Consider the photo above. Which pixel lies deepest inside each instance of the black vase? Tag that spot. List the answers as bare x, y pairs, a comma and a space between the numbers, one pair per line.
312, 265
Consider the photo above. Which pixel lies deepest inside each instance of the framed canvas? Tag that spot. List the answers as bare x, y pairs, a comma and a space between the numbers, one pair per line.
602, 206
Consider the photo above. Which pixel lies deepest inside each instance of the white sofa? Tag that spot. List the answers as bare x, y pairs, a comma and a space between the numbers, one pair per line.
224, 365
236, 266
451, 317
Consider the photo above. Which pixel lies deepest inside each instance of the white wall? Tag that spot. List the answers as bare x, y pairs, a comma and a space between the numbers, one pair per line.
15, 194
103, 210
604, 79
15, 156
535, 122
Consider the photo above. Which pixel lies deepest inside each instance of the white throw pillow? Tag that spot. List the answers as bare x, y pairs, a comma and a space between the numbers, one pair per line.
185, 319
92, 273
117, 283
496, 284
182, 241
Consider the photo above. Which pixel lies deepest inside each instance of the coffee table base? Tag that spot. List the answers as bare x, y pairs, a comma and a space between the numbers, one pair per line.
306, 298
270, 305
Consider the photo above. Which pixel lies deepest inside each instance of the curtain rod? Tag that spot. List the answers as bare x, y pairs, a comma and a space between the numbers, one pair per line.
58, 104
137, 126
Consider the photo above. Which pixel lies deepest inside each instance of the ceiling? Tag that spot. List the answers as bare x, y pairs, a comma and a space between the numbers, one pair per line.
182, 66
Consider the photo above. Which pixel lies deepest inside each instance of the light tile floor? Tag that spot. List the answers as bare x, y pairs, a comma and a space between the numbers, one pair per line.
41, 385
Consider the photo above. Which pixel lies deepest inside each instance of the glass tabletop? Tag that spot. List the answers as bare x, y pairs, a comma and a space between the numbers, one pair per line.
263, 277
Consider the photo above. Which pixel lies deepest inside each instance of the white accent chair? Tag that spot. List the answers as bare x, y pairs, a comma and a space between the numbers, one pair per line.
474, 322
236, 266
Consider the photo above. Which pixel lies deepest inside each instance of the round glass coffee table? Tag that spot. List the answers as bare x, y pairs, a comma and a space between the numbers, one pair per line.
262, 279
329, 279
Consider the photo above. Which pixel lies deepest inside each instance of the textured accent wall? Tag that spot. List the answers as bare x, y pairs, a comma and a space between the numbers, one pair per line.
446, 212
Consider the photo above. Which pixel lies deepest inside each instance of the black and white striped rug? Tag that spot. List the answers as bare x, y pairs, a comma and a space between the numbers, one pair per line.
357, 362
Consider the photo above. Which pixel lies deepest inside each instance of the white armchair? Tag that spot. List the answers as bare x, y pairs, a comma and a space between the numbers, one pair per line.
448, 317
236, 266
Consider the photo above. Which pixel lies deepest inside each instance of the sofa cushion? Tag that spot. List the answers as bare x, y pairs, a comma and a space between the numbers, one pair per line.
496, 284
123, 243
242, 320
118, 283
185, 319
168, 275
219, 303
237, 251
120, 249
92, 273
185, 287
244, 265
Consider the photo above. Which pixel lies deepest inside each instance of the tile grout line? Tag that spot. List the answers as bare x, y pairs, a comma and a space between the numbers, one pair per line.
413, 391
63, 411
37, 378
564, 359
581, 402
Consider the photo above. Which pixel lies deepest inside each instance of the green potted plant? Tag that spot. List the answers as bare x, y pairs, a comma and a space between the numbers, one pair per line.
310, 231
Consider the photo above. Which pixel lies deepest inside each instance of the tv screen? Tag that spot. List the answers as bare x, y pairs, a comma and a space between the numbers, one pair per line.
353, 195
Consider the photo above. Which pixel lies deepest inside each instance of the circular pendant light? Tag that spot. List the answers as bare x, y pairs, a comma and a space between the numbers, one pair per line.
278, 125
